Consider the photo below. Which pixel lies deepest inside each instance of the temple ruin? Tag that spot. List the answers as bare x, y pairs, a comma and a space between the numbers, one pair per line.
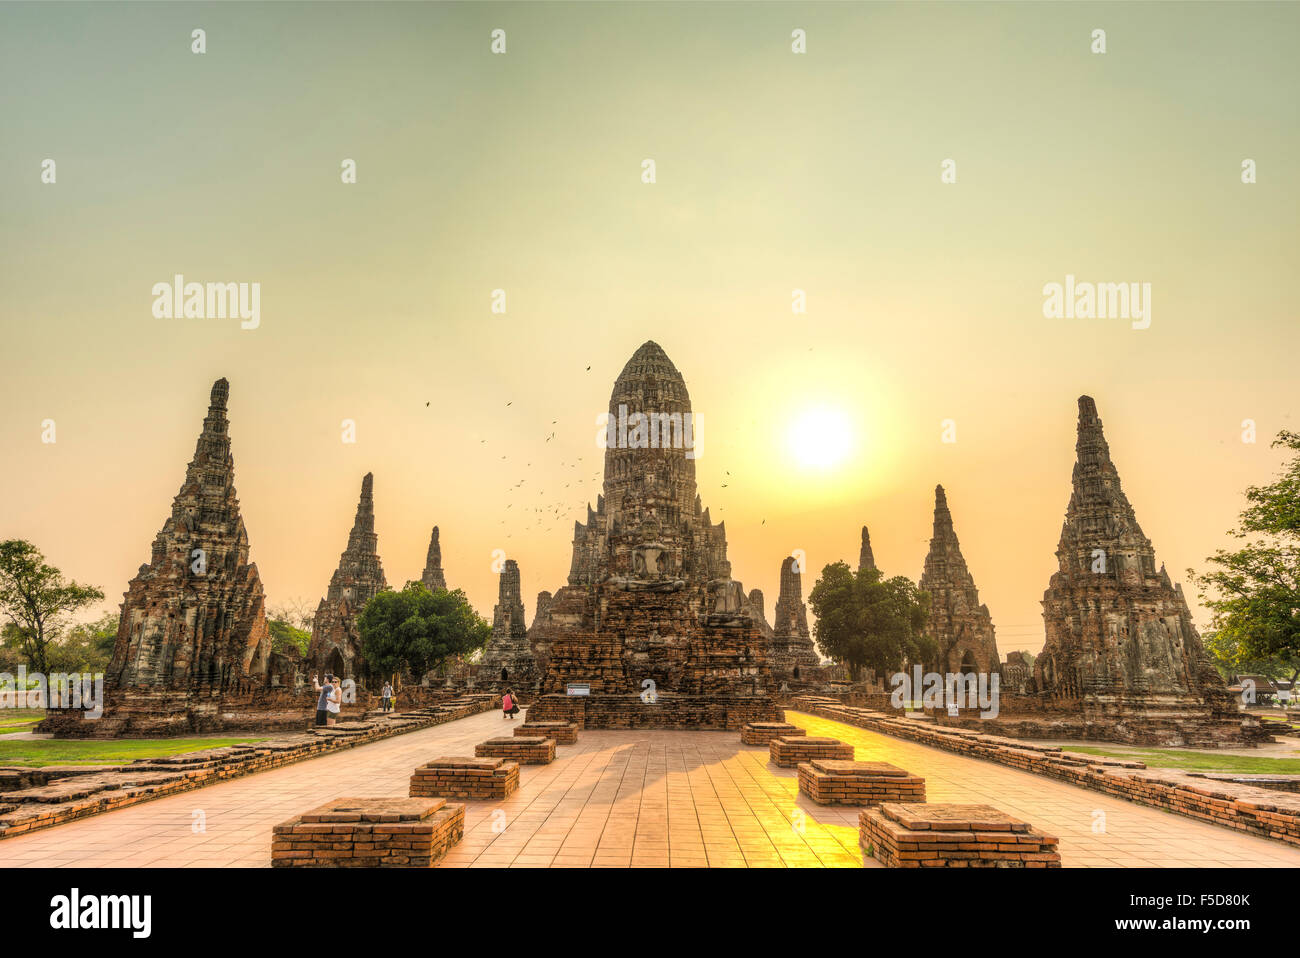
866, 558
192, 645
432, 576
792, 646
194, 617
335, 642
508, 657
960, 625
651, 624
1122, 660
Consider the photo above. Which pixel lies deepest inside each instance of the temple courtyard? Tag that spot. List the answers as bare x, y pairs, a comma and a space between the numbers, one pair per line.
638, 799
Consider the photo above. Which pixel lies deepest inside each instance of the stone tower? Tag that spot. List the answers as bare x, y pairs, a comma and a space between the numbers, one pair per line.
194, 618
432, 576
960, 625
866, 558
1115, 623
650, 602
759, 614
335, 642
791, 642
508, 648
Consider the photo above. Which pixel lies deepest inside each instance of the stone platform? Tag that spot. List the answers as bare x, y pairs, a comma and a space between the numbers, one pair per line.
762, 733
564, 733
369, 833
526, 750
461, 777
952, 836
789, 752
670, 711
830, 782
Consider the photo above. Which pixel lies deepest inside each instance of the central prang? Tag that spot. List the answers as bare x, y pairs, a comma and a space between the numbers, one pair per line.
650, 597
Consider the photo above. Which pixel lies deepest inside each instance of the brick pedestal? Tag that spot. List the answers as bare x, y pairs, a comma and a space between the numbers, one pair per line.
789, 752
829, 782
369, 833
952, 836
526, 750
761, 733
564, 733
461, 777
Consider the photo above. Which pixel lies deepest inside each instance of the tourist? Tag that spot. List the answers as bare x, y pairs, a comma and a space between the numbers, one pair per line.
508, 705
322, 703
386, 697
335, 702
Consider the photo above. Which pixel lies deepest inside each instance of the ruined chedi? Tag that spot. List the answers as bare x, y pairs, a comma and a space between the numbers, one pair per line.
508, 656
1122, 658
792, 645
193, 629
432, 576
335, 643
651, 619
194, 618
866, 558
758, 613
960, 625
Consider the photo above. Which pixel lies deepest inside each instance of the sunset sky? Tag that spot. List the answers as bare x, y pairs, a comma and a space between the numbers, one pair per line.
523, 172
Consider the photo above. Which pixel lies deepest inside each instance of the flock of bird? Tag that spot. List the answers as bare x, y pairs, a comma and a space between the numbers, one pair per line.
554, 510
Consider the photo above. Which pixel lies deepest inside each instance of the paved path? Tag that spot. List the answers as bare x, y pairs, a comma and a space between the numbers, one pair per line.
619, 799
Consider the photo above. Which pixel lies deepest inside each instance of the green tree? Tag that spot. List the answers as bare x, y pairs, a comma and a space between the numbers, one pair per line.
1256, 589
285, 638
87, 648
868, 622
37, 599
1230, 659
416, 630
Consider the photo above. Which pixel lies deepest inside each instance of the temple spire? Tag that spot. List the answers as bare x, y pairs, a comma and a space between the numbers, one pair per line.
432, 576
942, 517
866, 559
959, 622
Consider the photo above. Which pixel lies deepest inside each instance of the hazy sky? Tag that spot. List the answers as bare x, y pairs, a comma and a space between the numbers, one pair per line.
523, 172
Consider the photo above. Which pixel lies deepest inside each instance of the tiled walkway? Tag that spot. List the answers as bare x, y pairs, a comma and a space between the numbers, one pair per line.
633, 798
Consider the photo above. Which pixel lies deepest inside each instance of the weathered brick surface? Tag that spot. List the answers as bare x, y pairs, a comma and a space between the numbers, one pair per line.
564, 733
650, 597
157, 641
1271, 813
369, 833
526, 750
858, 783
462, 777
789, 752
27, 803
761, 733
1164, 666
335, 639
904, 835
959, 623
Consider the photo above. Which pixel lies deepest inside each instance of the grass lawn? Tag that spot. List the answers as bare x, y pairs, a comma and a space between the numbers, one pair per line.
35, 753
1192, 761
19, 720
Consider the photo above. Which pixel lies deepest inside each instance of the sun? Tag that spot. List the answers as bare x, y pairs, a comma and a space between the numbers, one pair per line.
820, 438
